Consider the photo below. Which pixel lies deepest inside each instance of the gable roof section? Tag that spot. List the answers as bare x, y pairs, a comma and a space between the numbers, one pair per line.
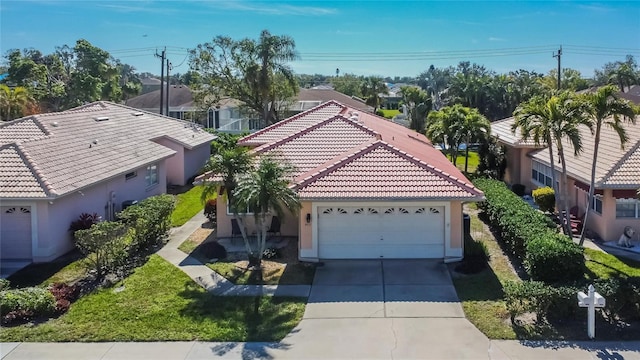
20, 130
74, 150
319, 143
381, 171
17, 178
615, 168
325, 95
293, 124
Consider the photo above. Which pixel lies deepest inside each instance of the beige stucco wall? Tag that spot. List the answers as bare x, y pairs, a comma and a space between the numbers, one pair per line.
456, 225
519, 167
305, 233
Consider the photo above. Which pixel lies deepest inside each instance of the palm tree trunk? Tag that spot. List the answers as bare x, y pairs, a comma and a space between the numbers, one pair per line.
565, 193
466, 157
553, 177
592, 184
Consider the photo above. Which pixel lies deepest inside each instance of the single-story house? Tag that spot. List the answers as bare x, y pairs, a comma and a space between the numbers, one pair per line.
617, 174
369, 188
91, 159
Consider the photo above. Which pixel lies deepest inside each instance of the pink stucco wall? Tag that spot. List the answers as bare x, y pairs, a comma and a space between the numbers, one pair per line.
195, 159
54, 238
175, 164
305, 233
288, 224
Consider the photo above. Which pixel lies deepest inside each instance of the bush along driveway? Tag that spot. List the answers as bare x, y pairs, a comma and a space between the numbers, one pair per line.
538, 300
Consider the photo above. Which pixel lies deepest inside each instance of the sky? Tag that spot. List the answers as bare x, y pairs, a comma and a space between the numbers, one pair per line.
386, 38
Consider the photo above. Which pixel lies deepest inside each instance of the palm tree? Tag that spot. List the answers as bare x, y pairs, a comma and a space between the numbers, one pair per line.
263, 190
223, 170
14, 102
445, 126
372, 88
475, 127
624, 76
605, 108
548, 121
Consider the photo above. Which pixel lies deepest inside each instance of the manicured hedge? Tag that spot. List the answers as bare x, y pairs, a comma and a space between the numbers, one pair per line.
559, 302
530, 235
26, 303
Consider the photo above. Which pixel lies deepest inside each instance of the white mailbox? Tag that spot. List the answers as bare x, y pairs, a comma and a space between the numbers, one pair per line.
583, 299
591, 301
599, 300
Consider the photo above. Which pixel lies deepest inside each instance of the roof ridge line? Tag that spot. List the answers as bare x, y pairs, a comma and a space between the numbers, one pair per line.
35, 169
307, 130
621, 161
290, 119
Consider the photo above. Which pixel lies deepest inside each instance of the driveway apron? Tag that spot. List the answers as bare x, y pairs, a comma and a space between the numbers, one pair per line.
383, 289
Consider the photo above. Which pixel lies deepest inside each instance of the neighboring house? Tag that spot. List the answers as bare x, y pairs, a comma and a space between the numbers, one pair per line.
225, 117
309, 98
369, 188
617, 174
91, 159
149, 84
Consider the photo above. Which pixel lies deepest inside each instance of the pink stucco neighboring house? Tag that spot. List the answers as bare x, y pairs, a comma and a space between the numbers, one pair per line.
369, 188
617, 174
90, 159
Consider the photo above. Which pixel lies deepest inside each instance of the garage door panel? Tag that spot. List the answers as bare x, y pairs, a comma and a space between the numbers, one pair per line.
394, 231
15, 232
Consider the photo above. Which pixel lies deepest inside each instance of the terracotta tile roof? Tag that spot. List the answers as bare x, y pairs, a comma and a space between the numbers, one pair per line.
97, 141
502, 129
319, 143
293, 124
381, 171
17, 178
615, 168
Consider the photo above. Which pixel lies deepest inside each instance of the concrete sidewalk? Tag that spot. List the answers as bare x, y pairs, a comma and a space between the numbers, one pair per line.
396, 341
209, 279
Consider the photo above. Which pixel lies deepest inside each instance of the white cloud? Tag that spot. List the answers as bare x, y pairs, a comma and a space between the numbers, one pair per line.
496, 39
273, 8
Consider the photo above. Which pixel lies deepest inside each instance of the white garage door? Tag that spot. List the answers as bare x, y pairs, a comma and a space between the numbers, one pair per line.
371, 232
15, 232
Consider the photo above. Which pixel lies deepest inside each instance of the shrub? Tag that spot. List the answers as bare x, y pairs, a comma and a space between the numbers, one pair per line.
518, 189
4, 284
26, 303
150, 219
518, 224
210, 210
104, 246
476, 256
554, 258
379, 112
64, 295
271, 253
213, 250
545, 198
84, 221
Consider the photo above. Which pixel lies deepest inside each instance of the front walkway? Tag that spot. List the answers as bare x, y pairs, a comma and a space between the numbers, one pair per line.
208, 278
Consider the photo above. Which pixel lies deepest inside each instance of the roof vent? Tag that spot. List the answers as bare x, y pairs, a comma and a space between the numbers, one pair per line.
54, 124
138, 113
102, 118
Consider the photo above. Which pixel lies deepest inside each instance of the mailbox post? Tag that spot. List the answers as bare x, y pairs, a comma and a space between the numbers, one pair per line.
591, 301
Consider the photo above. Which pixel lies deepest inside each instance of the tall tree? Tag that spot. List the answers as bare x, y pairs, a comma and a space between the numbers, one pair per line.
549, 120
348, 84
605, 108
14, 103
443, 127
436, 81
474, 128
255, 72
372, 88
266, 190
418, 104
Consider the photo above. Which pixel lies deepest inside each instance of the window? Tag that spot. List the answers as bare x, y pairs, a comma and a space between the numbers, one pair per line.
152, 175
130, 175
597, 204
628, 208
541, 174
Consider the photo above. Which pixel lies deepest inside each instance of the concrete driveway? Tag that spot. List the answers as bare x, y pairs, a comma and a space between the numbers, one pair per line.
383, 289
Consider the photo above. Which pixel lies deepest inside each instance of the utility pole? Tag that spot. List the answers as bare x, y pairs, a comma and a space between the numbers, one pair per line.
168, 81
162, 57
558, 55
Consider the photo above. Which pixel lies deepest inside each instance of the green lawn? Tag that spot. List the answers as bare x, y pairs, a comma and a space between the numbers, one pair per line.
389, 114
603, 265
474, 160
481, 294
188, 204
160, 303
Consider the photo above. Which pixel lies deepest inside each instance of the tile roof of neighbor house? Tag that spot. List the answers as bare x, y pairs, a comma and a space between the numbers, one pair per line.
616, 167
82, 146
363, 156
502, 129
325, 95
179, 96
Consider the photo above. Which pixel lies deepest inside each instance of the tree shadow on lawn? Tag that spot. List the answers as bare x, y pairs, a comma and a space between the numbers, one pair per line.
515, 261
247, 318
482, 286
36, 274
